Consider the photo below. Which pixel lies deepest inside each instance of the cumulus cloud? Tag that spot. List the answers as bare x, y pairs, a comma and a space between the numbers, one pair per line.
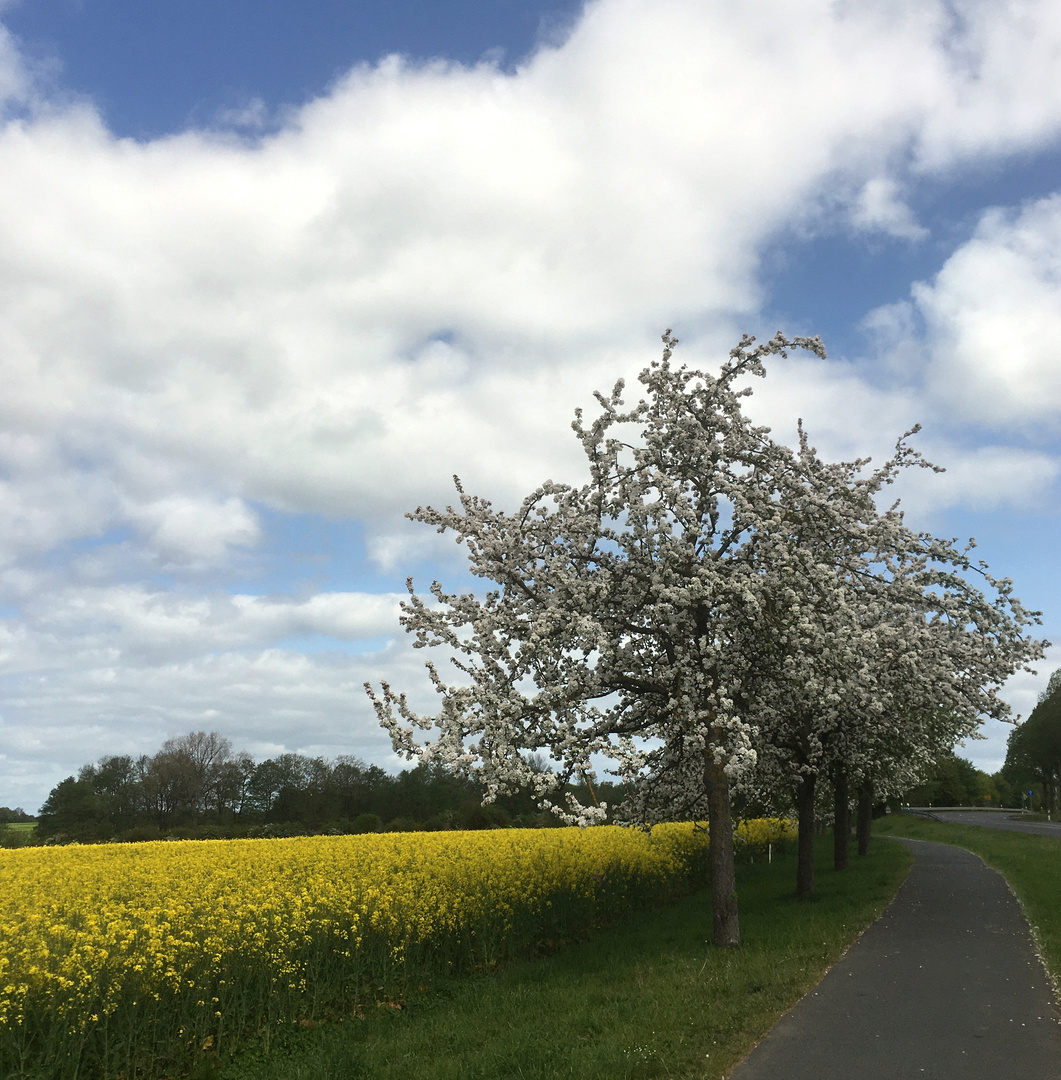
848, 415
252, 115
187, 530
993, 93
418, 254
993, 319
133, 624
422, 272
268, 701
879, 207
139, 666
16, 80
982, 478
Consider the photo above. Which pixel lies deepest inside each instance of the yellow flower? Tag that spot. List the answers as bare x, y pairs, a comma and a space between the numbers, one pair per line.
90, 930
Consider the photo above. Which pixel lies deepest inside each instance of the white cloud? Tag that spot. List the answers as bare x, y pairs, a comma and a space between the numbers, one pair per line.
422, 273
133, 624
267, 702
188, 530
994, 92
878, 207
252, 114
93, 671
982, 478
16, 81
262, 314
848, 416
993, 318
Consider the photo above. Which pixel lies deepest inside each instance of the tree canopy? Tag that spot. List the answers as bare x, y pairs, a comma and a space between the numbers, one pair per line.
710, 608
1033, 752
196, 785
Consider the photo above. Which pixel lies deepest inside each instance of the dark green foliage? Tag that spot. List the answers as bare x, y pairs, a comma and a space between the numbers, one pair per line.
15, 834
1010, 791
1033, 754
954, 782
366, 823
73, 811
196, 788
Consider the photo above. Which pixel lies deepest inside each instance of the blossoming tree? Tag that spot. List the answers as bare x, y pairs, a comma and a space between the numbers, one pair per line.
910, 659
654, 616
898, 646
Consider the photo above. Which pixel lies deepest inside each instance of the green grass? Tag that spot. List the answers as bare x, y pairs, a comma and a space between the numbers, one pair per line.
648, 998
1031, 865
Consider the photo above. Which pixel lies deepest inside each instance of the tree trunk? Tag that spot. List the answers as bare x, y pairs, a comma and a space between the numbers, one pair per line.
865, 815
841, 821
720, 854
805, 861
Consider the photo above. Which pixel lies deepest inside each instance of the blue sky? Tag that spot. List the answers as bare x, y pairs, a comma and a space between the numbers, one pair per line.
272, 272
154, 68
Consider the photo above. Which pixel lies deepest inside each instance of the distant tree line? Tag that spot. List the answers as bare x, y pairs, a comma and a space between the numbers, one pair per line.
197, 786
1033, 764
1033, 754
954, 781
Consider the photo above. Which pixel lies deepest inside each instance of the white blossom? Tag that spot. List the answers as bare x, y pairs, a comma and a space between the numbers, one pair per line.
710, 607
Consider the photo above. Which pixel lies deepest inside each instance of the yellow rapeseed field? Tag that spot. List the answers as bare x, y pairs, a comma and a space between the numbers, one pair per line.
185, 928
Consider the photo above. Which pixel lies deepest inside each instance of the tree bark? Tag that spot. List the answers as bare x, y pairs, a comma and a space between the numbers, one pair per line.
720, 854
865, 815
805, 860
841, 821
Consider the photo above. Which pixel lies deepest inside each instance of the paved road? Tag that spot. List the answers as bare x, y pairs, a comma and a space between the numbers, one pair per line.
1000, 820
944, 986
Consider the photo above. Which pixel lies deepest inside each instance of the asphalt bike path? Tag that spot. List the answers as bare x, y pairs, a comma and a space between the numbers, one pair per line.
945, 985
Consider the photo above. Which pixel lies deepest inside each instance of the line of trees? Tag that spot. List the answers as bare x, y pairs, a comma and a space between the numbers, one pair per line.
1033, 753
721, 615
1033, 764
956, 781
197, 786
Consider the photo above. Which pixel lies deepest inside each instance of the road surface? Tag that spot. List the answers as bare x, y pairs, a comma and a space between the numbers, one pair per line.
945, 985
999, 819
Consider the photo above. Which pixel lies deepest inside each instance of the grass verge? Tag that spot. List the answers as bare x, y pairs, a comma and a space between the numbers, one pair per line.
648, 998
1031, 864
